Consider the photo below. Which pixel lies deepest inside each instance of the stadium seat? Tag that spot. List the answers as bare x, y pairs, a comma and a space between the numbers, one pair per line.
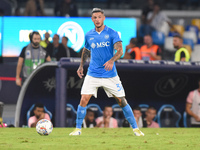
179, 28
169, 44
172, 33
190, 35
96, 109
186, 120
198, 41
30, 112
168, 116
158, 37
70, 116
196, 22
118, 114
190, 42
196, 53
192, 28
188, 47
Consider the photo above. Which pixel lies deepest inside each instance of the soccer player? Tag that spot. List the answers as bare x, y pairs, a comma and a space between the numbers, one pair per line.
101, 43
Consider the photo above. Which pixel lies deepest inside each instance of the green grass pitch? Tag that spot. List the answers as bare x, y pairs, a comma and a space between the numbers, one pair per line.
101, 139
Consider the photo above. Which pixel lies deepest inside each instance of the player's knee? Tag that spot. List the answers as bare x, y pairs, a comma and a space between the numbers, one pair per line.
84, 101
123, 102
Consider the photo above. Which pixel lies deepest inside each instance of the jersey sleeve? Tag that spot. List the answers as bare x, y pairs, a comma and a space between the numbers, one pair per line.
116, 37
87, 45
22, 54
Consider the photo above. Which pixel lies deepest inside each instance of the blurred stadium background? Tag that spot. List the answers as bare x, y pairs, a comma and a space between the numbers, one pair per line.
185, 17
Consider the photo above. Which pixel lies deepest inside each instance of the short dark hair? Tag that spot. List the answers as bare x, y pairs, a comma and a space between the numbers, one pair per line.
57, 35
151, 107
148, 35
31, 35
94, 10
40, 105
107, 106
178, 36
157, 4
137, 108
133, 41
89, 110
66, 38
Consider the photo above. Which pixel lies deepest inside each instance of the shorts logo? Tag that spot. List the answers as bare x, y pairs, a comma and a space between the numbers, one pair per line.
93, 45
106, 36
74, 32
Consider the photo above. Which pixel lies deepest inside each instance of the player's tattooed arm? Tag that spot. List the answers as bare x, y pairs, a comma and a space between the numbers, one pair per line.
119, 53
84, 56
109, 64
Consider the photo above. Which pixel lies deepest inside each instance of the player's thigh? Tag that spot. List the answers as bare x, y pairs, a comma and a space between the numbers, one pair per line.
90, 86
113, 86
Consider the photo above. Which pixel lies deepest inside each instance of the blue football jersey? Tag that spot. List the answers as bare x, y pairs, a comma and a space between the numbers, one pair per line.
101, 46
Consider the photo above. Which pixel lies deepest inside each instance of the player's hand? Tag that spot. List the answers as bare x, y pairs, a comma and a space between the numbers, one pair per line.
18, 82
80, 72
108, 65
197, 119
42, 116
128, 47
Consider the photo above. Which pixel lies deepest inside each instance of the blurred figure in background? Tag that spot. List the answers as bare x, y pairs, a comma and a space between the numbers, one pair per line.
182, 53
38, 115
157, 18
150, 51
193, 106
138, 117
34, 8
31, 57
46, 41
17, 12
132, 51
66, 8
69, 51
148, 8
5, 8
107, 121
148, 120
89, 121
56, 50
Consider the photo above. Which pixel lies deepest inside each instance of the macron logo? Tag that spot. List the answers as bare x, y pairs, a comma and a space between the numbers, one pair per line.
103, 44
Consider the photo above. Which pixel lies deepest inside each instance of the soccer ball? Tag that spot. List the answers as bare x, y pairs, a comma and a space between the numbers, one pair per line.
44, 127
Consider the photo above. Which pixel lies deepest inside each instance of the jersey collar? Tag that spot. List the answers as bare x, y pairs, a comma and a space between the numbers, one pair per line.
106, 28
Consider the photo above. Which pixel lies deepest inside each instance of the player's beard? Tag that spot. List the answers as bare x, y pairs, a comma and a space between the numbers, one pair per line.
99, 26
176, 47
36, 44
